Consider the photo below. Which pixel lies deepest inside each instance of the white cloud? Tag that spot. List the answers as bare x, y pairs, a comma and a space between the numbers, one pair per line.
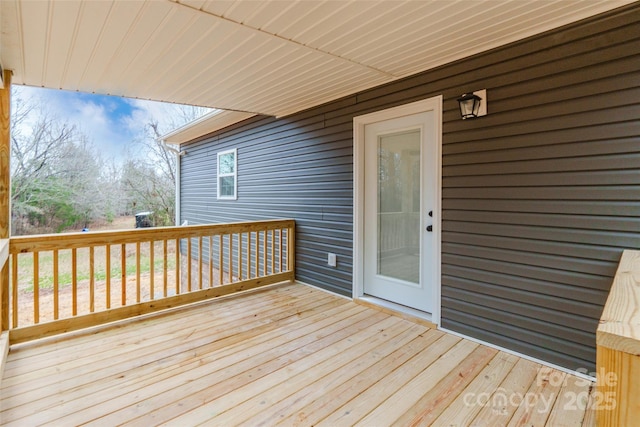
168, 116
113, 124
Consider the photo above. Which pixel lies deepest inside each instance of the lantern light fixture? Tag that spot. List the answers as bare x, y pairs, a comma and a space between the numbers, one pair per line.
473, 105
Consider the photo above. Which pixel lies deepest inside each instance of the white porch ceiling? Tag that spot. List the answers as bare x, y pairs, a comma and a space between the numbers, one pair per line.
271, 57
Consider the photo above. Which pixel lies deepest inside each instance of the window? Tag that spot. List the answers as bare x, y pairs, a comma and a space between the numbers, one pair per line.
228, 174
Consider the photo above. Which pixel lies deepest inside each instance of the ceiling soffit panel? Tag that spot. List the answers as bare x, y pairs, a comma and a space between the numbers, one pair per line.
145, 44
271, 57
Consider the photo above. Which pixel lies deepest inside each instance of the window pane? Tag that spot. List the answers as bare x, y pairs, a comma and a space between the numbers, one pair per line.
399, 206
226, 163
227, 186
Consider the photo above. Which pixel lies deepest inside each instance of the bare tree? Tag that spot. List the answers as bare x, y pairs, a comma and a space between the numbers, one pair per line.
56, 173
37, 142
150, 178
59, 180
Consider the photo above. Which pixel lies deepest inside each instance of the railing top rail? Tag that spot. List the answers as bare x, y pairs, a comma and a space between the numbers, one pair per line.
47, 242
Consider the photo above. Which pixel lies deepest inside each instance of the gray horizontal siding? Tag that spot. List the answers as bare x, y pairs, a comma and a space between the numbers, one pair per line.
282, 175
539, 197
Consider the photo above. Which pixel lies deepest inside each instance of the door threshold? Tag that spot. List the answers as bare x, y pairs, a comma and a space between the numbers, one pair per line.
399, 310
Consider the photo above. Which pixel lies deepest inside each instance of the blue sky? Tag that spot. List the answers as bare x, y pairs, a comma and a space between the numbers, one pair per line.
111, 122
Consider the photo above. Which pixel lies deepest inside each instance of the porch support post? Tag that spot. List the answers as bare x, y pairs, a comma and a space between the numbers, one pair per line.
5, 192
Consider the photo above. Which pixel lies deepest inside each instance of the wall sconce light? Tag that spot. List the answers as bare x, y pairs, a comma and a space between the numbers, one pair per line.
473, 105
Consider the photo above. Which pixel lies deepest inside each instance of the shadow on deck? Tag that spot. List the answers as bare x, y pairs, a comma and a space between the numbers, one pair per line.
288, 354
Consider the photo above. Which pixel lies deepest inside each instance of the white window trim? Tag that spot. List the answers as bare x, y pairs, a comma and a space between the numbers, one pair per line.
222, 175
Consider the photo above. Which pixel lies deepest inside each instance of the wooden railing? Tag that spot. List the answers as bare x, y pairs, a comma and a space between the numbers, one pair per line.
4, 303
397, 232
66, 282
617, 399
4, 285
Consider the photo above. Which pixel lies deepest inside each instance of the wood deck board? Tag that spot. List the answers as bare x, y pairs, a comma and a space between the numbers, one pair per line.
130, 381
277, 385
290, 355
317, 388
28, 361
303, 379
172, 334
433, 403
145, 351
130, 329
459, 412
406, 397
499, 408
356, 409
327, 404
231, 364
546, 391
171, 365
243, 385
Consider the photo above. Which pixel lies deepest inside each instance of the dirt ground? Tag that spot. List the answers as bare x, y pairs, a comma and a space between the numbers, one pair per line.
65, 297
120, 223
83, 303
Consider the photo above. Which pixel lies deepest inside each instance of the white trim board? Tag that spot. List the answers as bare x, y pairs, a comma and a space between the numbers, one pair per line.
432, 104
324, 290
399, 308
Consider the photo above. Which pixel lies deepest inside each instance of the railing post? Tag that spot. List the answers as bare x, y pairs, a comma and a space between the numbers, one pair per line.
4, 296
617, 397
291, 249
5, 192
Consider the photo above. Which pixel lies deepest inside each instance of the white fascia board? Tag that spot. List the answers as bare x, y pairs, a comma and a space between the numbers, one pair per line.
210, 122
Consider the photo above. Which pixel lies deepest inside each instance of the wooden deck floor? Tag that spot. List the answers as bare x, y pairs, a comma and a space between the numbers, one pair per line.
290, 355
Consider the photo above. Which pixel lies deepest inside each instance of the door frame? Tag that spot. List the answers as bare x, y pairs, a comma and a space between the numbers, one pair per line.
432, 104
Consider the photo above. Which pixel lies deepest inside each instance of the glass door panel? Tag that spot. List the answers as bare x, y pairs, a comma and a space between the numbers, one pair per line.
398, 207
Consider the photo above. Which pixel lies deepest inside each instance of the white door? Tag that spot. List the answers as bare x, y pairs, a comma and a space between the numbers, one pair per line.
400, 190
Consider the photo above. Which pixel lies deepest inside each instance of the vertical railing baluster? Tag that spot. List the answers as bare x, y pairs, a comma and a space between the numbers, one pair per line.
123, 274
5, 295
257, 254
137, 271
210, 261
273, 251
107, 275
92, 283
264, 256
36, 287
56, 286
221, 255
230, 258
14, 291
280, 250
152, 270
249, 255
74, 282
189, 264
200, 262
177, 266
165, 259
285, 242
240, 256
